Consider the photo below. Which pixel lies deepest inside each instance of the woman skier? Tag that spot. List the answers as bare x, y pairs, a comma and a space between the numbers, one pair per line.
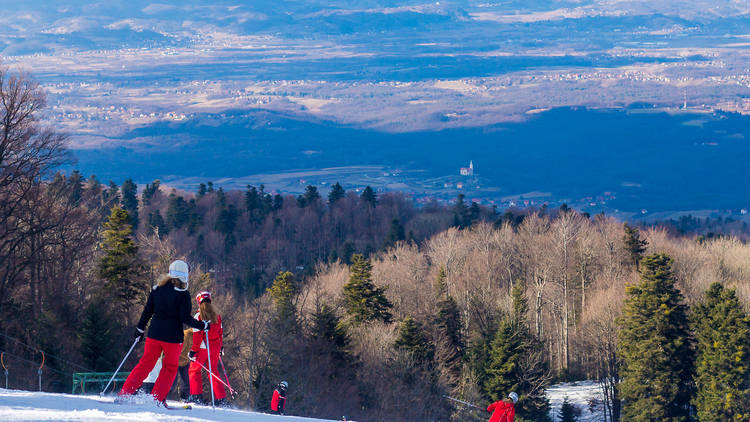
199, 354
503, 410
278, 400
169, 305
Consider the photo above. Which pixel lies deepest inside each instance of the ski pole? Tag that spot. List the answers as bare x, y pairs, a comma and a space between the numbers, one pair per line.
215, 376
5, 368
462, 402
221, 361
121, 363
39, 371
210, 378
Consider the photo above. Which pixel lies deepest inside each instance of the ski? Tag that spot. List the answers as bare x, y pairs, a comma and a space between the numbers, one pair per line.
178, 407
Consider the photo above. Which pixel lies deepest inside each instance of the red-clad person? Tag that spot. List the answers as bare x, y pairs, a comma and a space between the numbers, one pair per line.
504, 410
169, 305
278, 400
199, 352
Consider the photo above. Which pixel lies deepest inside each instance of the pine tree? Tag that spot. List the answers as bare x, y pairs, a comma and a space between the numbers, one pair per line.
722, 374
75, 183
149, 192
634, 244
411, 338
363, 300
461, 218
655, 345
178, 212
120, 266
156, 223
112, 194
283, 290
395, 233
567, 411
201, 190
516, 363
449, 345
309, 198
337, 192
369, 197
130, 201
96, 336
327, 328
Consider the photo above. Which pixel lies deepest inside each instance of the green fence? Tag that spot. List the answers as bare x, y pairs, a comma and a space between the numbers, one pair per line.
95, 381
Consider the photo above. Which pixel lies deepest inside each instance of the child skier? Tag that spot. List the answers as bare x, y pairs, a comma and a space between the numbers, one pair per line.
278, 401
199, 354
169, 304
504, 410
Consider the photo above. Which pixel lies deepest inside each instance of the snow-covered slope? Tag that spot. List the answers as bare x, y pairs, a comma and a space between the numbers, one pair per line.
586, 396
33, 406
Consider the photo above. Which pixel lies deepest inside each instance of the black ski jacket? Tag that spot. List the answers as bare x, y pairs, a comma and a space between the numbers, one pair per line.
170, 309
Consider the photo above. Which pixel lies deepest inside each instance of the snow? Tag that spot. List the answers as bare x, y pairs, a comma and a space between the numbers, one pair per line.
580, 394
18, 405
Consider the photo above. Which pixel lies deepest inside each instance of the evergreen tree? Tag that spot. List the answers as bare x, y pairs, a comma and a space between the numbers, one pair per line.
461, 218
337, 192
149, 192
210, 187
655, 345
283, 290
156, 223
327, 328
112, 194
201, 190
178, 212
278, 202
363, 301
567, 411
634, 244
369, 197
516, 363
309, 198
722, 373
75, 183
130, 201
411, 338
120, 266
449, 345
96, 336
395, 233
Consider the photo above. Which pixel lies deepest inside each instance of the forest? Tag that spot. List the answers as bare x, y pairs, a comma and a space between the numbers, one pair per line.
368, 305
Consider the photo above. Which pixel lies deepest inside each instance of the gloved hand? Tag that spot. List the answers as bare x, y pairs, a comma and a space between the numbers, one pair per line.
138, 336
206, 326
221, 352
191, 355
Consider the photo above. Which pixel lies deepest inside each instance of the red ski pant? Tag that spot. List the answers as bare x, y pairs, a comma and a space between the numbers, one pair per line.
151, 353
196, 382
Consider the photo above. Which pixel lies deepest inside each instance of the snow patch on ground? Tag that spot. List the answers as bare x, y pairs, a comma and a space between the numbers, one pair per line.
18, 405
580, 394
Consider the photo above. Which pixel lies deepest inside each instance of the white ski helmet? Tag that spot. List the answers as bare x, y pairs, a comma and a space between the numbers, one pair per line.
283, 385
179, 270
513, 396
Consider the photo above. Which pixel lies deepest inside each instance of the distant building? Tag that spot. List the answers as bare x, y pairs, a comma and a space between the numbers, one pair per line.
468, 171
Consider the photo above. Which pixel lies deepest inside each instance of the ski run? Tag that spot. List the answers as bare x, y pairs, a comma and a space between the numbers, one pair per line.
16, 405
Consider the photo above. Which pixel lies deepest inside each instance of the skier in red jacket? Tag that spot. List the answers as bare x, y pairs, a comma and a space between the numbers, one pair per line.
278, 401
199, 353
504, 410
168, 307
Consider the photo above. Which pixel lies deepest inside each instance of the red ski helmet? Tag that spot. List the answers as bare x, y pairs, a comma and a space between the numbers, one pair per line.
200, 297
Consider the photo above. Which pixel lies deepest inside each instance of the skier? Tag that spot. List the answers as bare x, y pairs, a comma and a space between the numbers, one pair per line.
169, 305
503, 410
199, 355
278, 401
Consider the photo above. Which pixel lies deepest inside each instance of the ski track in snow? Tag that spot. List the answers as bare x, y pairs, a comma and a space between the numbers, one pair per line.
18, 405
579, 394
